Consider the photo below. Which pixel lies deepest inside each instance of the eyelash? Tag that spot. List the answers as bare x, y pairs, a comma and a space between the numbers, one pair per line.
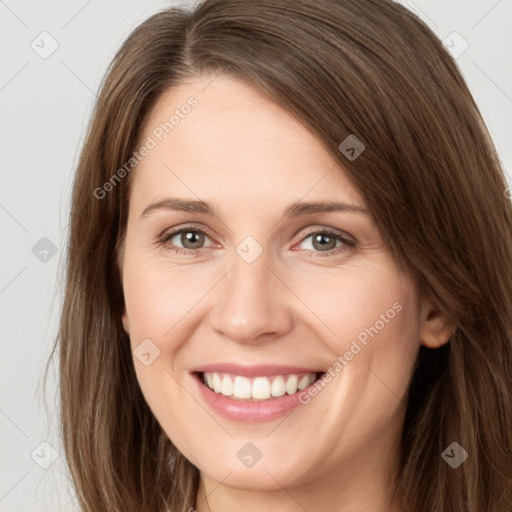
163, 240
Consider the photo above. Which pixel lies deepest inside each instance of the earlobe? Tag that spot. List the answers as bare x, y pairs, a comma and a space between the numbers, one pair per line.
435, 329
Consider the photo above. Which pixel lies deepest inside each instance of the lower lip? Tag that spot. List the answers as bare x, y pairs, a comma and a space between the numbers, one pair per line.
248, 411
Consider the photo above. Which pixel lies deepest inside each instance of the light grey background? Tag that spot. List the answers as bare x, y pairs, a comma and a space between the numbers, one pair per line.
45, 106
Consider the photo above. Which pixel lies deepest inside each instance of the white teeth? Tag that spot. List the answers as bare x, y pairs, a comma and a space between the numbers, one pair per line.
303, 382
227, 386
261, 388
278, 388
291, 384
242, 388
216, 383
258, 388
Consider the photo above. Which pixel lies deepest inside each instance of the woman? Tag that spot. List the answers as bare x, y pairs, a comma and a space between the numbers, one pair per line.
285, 284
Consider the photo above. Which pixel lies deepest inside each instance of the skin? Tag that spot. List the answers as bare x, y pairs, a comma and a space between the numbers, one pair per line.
293, 305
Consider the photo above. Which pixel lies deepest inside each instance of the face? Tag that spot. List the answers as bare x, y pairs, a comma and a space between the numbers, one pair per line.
257, 298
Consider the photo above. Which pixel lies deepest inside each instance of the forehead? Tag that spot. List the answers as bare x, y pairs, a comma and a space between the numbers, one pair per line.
218, 136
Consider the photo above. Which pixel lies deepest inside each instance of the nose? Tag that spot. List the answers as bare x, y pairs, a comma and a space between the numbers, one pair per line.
253, 303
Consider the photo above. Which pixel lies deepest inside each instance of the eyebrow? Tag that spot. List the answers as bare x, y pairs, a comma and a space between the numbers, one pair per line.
296, 209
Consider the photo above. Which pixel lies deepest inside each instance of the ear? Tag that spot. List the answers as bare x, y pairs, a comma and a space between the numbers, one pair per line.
126, 325
435, 329
119, 261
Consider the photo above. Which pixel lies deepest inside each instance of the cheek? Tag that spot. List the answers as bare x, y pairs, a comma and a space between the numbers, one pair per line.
157, 301
373, 338
361, 305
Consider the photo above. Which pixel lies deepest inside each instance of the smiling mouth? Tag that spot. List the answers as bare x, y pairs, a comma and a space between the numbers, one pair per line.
238, 387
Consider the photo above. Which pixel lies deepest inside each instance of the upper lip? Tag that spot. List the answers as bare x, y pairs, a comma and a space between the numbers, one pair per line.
253, 370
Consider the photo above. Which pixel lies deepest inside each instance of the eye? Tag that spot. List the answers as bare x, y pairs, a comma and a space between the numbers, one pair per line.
325, 241
191, 238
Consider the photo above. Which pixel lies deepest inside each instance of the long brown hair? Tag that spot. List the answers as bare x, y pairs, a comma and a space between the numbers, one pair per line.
429, 174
